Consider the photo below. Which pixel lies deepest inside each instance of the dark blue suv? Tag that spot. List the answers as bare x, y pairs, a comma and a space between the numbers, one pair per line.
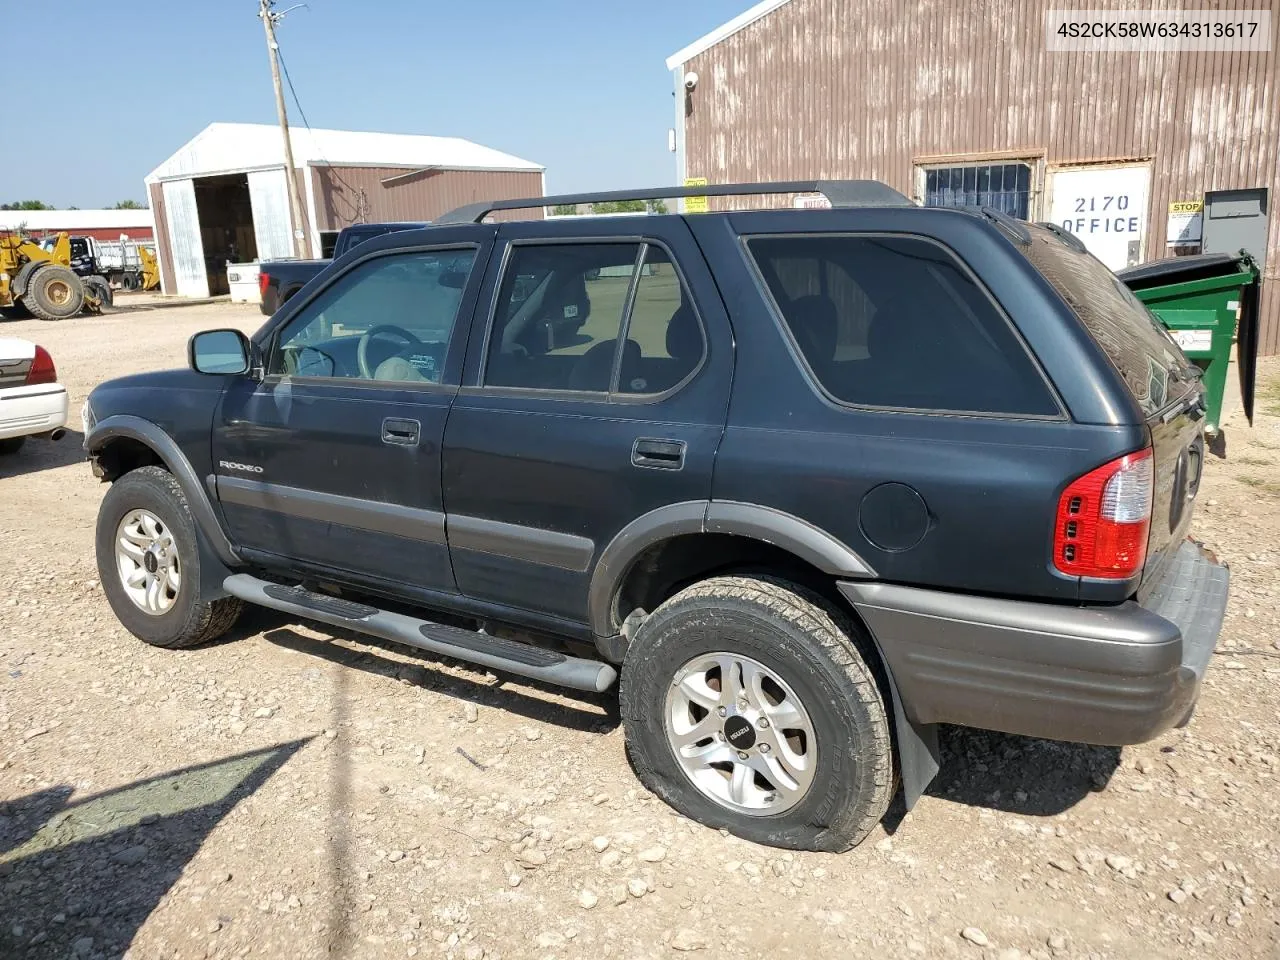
813, 481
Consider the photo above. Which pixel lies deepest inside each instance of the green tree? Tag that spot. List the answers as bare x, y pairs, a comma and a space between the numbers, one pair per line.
26, 205
657, 206
618, 206
565, 210
129, 205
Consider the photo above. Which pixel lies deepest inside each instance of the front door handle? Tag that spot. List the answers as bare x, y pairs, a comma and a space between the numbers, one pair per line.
401, 432
658, 454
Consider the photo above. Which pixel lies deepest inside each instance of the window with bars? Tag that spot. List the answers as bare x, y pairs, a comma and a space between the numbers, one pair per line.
1002, 186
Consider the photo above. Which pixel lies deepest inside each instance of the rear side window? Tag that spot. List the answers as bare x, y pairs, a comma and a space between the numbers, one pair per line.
1127, 331
560, 310
889, 321
593, 318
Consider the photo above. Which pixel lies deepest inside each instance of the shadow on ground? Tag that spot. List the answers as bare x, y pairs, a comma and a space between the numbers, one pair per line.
80, 879
1013, 774
38, 454
596, 713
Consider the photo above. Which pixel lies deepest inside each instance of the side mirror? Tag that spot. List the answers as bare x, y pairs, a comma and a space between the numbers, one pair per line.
220, 352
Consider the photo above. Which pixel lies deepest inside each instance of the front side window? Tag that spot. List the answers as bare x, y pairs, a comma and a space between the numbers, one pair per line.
387, 319
562, 320
892, 321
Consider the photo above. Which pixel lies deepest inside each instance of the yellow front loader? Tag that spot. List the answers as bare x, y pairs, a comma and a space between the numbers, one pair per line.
42, 280
150, 269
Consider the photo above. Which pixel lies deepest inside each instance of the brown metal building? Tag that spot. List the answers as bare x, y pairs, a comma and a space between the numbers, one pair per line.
223, 197
959, 102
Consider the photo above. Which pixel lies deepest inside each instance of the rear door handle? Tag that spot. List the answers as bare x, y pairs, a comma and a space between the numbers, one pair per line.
402, 432
658, 454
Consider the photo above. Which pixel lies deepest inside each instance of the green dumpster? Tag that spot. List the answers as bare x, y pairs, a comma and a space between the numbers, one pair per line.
1206, 302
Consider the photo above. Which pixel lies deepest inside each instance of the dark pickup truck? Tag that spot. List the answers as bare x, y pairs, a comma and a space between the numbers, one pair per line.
805, 483
278, 280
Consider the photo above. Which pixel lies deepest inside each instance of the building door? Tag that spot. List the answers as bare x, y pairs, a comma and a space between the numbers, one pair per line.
269, 197
1236, 220
185, 243
1105, 205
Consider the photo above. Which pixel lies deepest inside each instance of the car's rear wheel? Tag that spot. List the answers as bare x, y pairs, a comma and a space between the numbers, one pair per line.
751, 704
149, 563
11, 445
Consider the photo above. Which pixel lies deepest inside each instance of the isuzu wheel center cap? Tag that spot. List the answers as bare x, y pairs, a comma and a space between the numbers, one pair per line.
150, 563
739, 732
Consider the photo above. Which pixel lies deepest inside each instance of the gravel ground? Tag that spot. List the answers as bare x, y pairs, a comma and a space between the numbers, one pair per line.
290, 792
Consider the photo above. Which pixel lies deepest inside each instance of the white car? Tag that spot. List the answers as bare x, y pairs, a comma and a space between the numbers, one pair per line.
32, 402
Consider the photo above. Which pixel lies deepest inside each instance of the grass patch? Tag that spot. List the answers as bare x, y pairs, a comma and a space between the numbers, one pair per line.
1269, 394
1266, 486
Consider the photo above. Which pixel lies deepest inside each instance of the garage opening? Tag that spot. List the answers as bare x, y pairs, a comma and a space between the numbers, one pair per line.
225, 213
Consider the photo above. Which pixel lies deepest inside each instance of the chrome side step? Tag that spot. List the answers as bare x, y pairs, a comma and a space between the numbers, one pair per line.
496, 653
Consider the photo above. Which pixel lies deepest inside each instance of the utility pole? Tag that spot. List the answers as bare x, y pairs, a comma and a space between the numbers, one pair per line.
269, 20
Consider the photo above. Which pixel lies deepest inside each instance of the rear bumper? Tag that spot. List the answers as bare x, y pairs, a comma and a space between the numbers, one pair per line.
30, 410
1106, 675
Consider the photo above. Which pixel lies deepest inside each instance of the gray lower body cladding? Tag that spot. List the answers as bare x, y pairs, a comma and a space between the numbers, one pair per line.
1112, 675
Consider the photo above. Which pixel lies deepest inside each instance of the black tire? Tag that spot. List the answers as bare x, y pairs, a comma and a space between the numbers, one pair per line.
11, 445
54, 292
821, 654
189, 621
100, 289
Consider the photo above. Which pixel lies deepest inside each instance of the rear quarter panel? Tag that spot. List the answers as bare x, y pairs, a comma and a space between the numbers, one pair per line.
990, 485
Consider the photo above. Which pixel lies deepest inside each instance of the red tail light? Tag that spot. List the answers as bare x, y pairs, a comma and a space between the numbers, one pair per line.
42, 369
264, 278
1104, 518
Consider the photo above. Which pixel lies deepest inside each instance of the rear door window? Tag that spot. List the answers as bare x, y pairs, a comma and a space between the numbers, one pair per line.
592, 318
559, 314
1130, 335
896, 321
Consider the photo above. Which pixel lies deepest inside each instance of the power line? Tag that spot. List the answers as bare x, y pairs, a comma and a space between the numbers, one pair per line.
356, 206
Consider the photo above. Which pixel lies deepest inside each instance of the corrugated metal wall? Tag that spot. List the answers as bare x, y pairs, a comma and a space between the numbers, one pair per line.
269, 197
857, 88
346, 195
182, 224
164, 250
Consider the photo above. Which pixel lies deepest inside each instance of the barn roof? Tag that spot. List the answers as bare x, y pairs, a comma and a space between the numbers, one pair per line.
723, 32
236, 147
42, 221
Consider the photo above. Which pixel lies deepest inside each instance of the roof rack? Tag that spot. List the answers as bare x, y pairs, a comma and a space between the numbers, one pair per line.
1066, 236
1015, 228
840, 193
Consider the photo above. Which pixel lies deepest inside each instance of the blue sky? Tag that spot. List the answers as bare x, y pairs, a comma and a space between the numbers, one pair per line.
576, 85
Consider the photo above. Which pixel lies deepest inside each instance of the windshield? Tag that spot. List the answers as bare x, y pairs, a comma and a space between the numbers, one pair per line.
1136, 342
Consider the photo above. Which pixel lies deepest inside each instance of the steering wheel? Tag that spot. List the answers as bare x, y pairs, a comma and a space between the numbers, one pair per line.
362, 349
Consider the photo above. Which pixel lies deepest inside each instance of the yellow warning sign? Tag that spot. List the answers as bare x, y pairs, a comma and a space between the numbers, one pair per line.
1186, 222
695, 204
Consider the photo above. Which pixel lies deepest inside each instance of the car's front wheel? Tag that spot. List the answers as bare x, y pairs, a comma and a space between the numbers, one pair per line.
149, 563
751, 704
